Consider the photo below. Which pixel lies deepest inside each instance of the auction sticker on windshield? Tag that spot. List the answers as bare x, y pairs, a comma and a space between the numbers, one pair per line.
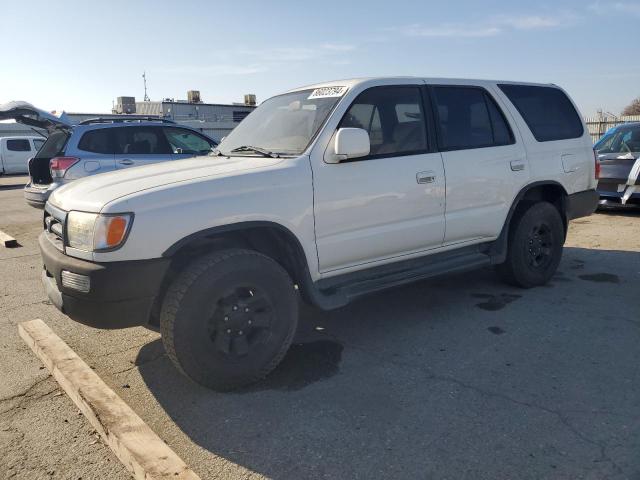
324, 92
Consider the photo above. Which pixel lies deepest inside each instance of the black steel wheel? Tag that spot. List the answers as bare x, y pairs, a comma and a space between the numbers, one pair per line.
229, 318
534, 251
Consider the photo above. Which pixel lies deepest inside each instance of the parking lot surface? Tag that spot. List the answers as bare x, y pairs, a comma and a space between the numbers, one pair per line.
458, 377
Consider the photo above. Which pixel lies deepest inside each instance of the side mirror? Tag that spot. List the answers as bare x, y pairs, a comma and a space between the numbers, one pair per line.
350, 143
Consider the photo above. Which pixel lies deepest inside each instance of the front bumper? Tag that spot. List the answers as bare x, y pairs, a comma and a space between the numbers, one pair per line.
121, 294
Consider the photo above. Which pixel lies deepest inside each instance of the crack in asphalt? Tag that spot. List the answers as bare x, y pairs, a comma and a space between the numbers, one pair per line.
20, 256
15, 307
24, 396
108, 354
560, 416
138, 365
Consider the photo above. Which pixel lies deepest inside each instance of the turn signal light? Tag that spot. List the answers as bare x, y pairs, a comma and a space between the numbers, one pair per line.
116, 229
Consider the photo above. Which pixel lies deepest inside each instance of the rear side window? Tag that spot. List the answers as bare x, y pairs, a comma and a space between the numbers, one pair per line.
96, 141
54, 145
37, 143
393, 117
548, 112
18, 145
141, 141
469, 118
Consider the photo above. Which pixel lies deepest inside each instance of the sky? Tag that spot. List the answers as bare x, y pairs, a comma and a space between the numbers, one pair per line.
79, 56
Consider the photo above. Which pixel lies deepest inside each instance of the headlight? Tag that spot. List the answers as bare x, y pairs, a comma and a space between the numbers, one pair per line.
96, 232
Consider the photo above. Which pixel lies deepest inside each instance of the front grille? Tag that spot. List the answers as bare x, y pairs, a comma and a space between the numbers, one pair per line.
54, 220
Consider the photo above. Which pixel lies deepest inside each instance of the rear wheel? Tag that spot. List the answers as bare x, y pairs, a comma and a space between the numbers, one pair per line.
535, 245
229, 318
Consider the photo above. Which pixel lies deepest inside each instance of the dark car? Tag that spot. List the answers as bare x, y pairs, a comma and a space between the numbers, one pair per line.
619, 154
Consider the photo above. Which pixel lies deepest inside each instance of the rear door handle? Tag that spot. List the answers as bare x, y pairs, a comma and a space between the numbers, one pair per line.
517, 165
126, 161
426, 177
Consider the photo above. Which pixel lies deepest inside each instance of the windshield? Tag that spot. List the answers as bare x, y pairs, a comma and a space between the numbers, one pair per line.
283, 125
622, 140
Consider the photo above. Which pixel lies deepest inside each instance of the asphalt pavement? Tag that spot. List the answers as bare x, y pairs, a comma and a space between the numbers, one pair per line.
454, 378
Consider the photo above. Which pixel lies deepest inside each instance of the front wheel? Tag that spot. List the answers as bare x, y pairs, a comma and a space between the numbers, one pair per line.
228, 319
535, 245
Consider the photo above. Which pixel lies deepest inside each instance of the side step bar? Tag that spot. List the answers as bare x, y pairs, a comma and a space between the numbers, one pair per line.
335, 292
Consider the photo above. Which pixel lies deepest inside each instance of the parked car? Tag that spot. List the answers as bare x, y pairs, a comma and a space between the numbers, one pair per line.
16, 151
99, 145
619, 154
327, 192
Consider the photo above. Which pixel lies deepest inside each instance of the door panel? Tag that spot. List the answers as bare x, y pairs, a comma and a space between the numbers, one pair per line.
390, 203
138, 146
376, 209
480, 187
482, 161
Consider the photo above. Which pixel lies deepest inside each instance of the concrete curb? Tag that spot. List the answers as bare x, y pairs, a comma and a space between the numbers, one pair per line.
7, 240
139, 449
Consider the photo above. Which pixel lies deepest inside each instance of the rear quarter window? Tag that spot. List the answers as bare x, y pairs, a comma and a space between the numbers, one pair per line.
96, 141
54, 145
547, 111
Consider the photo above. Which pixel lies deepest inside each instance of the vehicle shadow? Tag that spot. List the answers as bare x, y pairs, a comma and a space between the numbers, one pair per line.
441, 378
620, 212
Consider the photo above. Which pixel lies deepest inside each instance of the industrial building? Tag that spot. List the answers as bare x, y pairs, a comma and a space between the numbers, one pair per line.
213, 119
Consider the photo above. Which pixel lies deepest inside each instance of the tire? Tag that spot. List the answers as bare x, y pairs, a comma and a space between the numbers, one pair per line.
228, 319
534, 250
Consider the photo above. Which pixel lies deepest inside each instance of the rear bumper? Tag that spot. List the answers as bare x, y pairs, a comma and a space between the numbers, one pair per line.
38, 196
610, 197
582, 204
121, 294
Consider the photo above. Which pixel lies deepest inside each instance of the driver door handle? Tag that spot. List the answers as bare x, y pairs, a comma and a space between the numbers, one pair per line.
126, 161
426, 177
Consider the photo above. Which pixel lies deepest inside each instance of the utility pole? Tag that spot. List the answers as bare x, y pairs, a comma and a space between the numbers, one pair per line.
144, 79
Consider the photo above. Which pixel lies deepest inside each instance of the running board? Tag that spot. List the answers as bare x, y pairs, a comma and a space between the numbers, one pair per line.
339, 291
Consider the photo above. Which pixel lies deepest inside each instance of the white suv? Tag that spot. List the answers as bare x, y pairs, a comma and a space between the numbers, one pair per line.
327, 192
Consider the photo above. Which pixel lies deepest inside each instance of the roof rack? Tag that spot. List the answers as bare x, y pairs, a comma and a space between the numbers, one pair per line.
125, 118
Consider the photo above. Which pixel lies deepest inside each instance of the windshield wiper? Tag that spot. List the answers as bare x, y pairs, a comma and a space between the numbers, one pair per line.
250, 148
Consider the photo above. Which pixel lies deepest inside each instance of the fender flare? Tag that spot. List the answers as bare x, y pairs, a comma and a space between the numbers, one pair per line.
308, 289
498, 251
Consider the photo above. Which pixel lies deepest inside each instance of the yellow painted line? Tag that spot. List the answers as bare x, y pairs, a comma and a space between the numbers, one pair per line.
139, 449
7, 240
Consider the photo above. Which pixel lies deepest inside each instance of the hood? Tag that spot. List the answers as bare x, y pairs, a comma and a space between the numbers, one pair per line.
23, 112
92, 193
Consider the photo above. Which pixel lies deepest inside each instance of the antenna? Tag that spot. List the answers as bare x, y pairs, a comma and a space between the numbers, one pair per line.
144, 78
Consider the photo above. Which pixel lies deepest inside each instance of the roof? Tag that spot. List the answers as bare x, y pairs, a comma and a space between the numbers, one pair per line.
352, 82
22, 137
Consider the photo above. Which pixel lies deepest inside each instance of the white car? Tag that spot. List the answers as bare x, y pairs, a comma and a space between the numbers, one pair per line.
16, 151
328, 193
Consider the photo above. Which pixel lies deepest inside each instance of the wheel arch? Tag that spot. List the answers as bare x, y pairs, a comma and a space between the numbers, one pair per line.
547, 190
267, 237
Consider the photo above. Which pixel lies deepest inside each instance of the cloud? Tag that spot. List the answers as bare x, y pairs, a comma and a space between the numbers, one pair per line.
530, 22
248, 61
602, 8
337, 47
490, 27
448, 30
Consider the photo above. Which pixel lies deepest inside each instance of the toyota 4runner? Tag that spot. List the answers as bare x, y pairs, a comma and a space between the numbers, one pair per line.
324, 193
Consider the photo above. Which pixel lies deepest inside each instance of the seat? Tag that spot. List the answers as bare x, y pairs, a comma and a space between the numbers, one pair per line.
142, 147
